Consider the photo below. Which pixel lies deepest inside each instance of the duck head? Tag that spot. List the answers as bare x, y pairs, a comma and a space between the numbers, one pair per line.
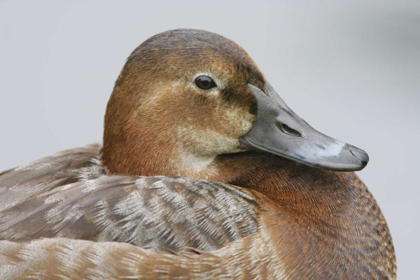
185, 97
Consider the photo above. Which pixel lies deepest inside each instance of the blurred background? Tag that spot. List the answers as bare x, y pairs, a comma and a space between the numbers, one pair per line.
350, 68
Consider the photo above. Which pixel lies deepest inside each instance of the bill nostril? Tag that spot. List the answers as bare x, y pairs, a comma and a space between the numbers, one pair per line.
288, 130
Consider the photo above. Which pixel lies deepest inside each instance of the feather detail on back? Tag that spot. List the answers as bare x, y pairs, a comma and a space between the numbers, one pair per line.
48, 173
57, 258
73, 198
133, 227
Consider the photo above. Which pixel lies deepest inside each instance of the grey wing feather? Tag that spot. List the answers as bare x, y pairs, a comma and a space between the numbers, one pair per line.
157, 213
16, 185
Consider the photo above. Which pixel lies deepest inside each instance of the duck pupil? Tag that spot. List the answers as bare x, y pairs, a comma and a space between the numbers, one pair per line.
204, 82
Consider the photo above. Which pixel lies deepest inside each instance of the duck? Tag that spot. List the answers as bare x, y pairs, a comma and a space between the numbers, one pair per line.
204, 172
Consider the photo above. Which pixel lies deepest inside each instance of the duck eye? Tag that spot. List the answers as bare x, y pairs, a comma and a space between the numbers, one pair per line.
205, 82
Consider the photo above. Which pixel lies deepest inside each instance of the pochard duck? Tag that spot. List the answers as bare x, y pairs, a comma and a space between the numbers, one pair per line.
204, 173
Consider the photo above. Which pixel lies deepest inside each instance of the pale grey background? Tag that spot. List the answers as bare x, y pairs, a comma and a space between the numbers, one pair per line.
350, 68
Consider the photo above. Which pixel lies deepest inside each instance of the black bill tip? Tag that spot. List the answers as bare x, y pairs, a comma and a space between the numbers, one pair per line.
360, 155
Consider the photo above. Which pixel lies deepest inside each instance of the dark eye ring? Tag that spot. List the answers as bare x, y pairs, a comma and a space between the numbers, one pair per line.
205, 82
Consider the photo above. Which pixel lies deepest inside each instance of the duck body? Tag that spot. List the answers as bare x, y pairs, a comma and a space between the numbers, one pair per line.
301, 223
182, 196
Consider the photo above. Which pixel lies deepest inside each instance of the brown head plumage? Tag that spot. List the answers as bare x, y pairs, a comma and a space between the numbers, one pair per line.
156, 106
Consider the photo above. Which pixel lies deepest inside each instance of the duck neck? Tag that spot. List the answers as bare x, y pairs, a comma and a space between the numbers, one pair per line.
149, 156
155, 157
